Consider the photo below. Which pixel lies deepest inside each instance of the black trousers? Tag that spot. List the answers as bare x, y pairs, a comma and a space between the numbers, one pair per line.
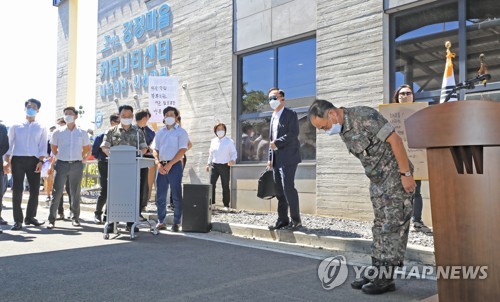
287, 195
222, 170
144, 188
102, 166
24, 166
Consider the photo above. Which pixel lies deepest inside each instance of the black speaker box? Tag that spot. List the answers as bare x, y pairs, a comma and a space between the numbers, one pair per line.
197, 208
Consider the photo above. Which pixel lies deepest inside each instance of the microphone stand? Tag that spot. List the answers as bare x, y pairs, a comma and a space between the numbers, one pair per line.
468, 84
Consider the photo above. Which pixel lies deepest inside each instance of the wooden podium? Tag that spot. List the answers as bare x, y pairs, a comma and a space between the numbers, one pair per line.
463, 156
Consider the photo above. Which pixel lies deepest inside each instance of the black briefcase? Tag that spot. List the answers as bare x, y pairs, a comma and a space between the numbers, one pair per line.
266, 188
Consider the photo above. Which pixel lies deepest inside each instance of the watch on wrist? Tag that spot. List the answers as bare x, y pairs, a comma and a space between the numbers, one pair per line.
407, 173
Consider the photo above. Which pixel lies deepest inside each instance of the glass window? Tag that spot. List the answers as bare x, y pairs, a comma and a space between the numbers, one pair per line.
297, 69
254, 140
257, 78
420, 54
292, 68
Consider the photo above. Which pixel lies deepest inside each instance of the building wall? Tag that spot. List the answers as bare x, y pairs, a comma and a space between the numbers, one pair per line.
62, 57
349, 73
262, 22
201, 58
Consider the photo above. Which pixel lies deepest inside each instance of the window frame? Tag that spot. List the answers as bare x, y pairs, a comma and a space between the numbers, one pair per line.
249, 116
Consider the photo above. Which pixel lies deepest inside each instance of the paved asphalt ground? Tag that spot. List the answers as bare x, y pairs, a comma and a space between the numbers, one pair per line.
77, 264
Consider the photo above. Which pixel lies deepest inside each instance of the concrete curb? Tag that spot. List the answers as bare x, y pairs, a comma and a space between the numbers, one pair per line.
414, 253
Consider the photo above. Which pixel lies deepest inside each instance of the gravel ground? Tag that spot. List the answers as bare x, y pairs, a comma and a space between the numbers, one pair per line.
318, 225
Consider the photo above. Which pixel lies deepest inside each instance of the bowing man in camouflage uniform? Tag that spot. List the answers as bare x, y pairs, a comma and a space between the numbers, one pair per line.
124, 134
372, 139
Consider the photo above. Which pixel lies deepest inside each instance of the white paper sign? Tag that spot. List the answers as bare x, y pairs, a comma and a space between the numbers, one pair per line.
163, 92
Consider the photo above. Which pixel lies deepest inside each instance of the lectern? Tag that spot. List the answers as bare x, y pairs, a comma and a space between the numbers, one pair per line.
463, 156
123, 188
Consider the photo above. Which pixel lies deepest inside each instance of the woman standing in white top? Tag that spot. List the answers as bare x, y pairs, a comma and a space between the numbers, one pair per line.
221, 156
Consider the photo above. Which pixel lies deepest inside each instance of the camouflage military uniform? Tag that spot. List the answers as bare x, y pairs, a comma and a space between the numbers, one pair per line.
365, 132
118, 136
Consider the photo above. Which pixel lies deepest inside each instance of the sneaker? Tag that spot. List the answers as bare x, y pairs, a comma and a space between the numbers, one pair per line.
75, 222
174, 228
226, 209
51, 225
161, 226
419, 226
97, 219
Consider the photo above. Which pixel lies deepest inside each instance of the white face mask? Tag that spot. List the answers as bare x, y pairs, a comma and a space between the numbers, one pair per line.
221, 133
69, 119
336, 128
126, 121
274, 104
169, 120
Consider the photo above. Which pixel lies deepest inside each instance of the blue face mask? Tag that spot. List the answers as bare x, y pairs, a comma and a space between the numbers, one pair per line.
31, 112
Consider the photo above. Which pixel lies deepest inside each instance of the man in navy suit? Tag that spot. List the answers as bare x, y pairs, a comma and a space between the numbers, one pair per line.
284, 158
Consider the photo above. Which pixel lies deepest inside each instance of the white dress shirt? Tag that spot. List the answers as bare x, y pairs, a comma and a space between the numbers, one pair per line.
275, 122
221, 151
27, 139
69, 143
168, 142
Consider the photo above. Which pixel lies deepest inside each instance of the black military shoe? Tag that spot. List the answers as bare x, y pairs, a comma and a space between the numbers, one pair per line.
359, 282
382, 283
379, 286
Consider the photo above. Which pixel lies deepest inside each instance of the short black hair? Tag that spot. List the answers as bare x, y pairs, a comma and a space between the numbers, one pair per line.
34, 101
114, 118
125, 107
142, 114
319, 108
281, 92
170, 108
71, 108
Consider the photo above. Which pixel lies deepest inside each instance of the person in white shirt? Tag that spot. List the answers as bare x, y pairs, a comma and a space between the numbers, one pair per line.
27, 149
70, 145
169, 145
221, 156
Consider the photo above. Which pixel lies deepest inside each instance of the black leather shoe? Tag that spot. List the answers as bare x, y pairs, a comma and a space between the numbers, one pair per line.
279, 225
17, 226
174, 228
33, 221
295, 225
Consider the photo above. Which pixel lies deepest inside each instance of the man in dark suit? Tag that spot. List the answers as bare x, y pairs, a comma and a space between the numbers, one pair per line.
284, 157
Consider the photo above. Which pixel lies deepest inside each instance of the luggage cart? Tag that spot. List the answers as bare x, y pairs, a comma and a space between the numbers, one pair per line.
123, 189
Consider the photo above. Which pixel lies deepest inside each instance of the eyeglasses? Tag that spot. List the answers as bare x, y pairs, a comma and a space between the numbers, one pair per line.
273, 98
407, 93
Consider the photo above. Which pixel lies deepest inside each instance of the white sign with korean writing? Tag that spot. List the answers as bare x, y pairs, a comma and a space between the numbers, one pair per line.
163, 92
